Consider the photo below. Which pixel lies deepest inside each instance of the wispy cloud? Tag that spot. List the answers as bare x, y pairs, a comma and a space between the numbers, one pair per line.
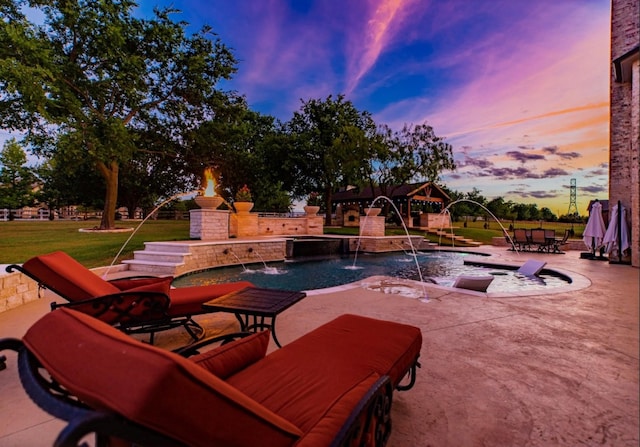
519, 88
384, 18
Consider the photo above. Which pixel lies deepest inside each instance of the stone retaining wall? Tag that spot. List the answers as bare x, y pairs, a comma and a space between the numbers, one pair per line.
233, 252
16, 289
281, 226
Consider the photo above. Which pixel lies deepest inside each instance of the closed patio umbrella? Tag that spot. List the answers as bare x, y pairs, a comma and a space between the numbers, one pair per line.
616, 239
595, 229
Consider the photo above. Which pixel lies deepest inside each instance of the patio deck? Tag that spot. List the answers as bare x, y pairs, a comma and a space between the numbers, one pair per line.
536, 370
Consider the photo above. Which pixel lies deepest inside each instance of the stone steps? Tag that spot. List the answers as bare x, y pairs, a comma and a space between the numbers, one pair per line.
153, 268
455, 238
159, 258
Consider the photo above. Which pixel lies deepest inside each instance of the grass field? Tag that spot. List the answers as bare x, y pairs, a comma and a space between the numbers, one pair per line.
475, 230
21, 240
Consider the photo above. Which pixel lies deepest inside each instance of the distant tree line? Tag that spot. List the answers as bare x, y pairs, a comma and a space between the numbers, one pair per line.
22, 185
503, 209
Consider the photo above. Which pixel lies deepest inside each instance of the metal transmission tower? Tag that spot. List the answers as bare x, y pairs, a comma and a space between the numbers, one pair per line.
573, 208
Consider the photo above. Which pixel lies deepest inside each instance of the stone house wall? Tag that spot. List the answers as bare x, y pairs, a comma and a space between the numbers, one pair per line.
624, 163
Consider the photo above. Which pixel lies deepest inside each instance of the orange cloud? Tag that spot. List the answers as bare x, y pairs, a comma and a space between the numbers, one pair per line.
537, 117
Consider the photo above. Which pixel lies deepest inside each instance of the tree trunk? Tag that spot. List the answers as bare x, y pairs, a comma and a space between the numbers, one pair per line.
110, 174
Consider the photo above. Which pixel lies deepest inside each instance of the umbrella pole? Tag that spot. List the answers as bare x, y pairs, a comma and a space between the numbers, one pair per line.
619, 223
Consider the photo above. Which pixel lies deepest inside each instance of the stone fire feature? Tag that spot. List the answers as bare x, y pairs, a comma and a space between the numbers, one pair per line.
209, 224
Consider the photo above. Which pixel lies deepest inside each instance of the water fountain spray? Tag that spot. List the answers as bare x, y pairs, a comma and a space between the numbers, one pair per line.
413, 250
504, 231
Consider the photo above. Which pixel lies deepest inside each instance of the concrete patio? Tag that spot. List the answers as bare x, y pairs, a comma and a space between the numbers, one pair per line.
536, 370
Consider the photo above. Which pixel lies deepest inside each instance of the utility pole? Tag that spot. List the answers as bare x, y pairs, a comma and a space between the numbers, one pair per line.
573, 207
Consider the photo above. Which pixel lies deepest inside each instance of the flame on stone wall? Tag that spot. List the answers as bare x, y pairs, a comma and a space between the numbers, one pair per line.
210, 188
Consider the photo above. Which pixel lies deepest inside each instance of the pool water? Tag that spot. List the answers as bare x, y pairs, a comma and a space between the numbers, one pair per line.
443, 267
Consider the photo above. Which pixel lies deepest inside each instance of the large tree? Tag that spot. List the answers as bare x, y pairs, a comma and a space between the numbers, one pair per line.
413, 153
86, 82
237, 144
332, 140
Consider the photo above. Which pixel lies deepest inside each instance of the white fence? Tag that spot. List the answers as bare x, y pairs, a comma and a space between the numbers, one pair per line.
24, 213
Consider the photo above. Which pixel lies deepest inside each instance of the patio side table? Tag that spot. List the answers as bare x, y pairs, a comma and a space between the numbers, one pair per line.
256, 308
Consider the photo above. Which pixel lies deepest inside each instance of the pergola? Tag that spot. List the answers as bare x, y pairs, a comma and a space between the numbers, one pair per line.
404, 197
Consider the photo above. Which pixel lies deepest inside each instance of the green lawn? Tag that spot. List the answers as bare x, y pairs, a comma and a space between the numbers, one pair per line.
21, 240
477, 232
473, 230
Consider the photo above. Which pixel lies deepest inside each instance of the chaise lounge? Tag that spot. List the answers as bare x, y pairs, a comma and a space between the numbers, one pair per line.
134, 305
332, 386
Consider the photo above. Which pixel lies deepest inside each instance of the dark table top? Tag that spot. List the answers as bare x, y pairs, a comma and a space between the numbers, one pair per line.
255, 301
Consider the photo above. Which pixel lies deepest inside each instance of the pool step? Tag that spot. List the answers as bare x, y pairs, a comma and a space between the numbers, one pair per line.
159, 258
152, 268
454, 238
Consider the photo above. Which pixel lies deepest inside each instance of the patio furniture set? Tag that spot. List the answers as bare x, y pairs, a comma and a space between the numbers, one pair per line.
332, 386
537, 239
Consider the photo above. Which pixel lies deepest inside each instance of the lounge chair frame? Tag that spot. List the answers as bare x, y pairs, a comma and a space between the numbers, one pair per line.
373, 408
557, 243
131, 319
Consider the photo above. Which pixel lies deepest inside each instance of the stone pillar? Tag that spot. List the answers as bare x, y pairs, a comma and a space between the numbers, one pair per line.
372, 226
246, 224
209, 224
315, 225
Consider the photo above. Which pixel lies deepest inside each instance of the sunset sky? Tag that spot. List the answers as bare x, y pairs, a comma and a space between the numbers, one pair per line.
519, 88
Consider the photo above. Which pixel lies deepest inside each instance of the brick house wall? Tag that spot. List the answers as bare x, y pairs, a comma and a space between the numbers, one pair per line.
624, 140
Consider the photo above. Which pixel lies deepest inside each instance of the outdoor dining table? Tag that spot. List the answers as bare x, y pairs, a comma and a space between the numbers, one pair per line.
256, 308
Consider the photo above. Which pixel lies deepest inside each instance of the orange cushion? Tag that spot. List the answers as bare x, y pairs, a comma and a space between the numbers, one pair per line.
130, 283
189, 300
61, 273
327, 428
228, 359
139, 307
326, 362
150, 386
127, 306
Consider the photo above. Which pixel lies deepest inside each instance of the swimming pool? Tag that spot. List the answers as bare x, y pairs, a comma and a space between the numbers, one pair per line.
443, 267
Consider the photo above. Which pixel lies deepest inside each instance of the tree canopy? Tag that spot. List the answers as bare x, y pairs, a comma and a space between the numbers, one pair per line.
91, 78
331, 141
16, 178
413, 153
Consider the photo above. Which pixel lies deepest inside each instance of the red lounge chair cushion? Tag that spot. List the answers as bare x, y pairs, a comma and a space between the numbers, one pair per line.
228, 359
150, 386
74, 282
67, 277
130, 283
141, 311
325, 431
189, 300
184, 300
354, 345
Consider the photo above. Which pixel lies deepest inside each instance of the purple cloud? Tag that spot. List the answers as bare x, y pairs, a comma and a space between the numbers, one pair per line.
523, 157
